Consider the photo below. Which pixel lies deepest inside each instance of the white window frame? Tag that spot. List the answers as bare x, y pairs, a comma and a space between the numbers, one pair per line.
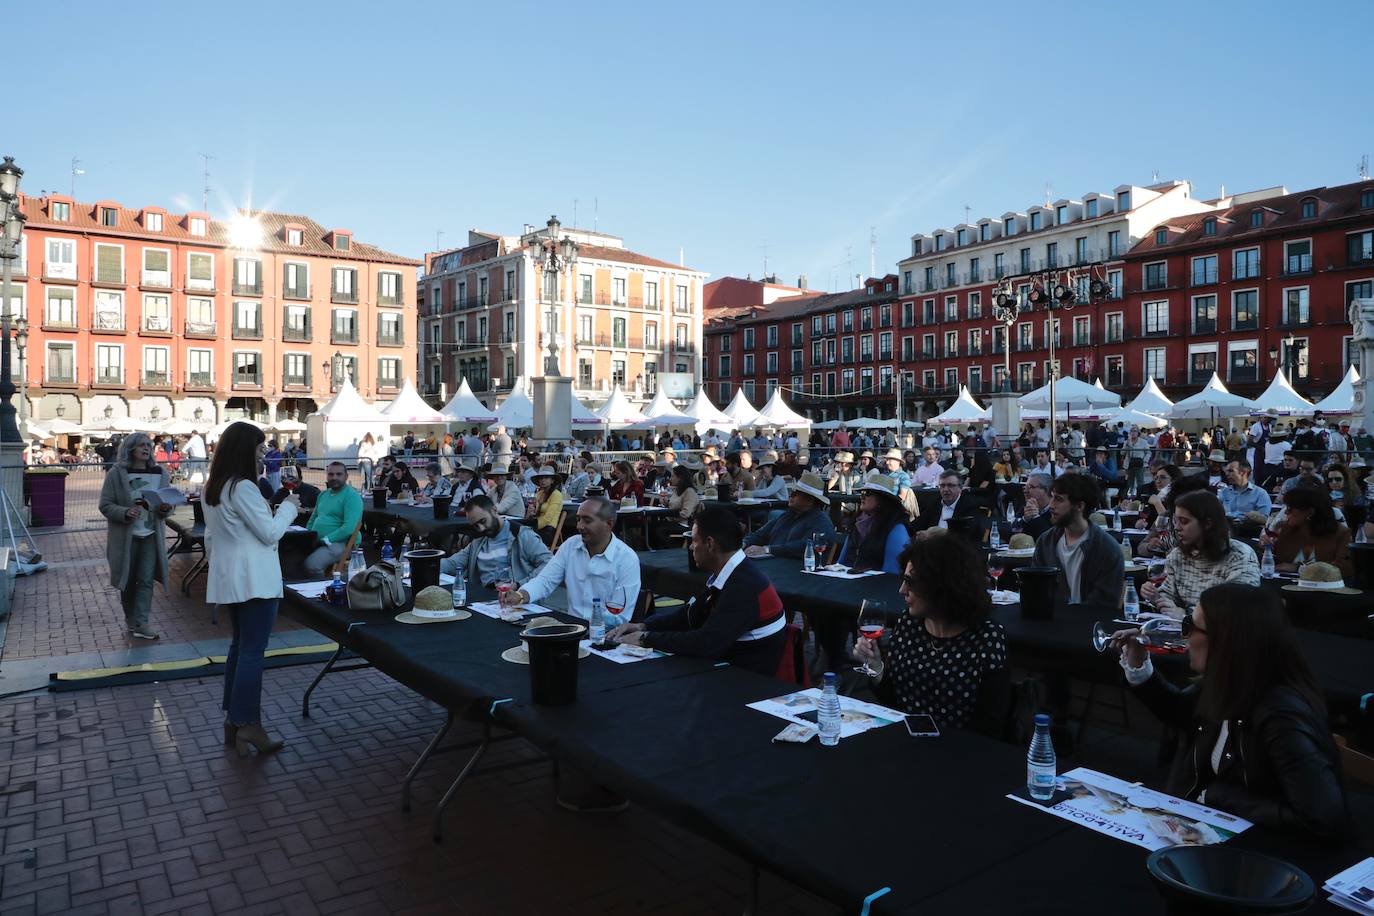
1258, 262
1145, 315
154, 277
1239, 345
167, 317
152, 222
1121, 319
1194, 349
95, 262
48, 348
302, 265
59, 269
1283, 316
189, 315
390, 278
192, 283
234, 366
1311, 255
1162, 367
70, 299
108, 295
342, 280
295, 237
198, 226
1192, 313
101, 349
192, 354
166, 361
1237, 292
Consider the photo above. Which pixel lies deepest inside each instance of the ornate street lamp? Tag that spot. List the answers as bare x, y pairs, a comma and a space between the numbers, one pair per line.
552, 255
10, 237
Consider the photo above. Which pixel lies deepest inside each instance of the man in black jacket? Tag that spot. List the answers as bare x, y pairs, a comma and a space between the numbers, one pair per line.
1037, 519
954, 503
806, 516
739, 618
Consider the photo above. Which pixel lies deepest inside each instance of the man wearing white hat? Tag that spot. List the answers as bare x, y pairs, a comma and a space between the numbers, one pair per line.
504, 492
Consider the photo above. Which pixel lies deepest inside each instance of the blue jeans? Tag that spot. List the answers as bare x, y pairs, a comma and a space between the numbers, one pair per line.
137, 596
252, 622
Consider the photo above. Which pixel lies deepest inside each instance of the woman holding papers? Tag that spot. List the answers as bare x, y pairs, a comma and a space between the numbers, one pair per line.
1257, 743
134, 532
241, 535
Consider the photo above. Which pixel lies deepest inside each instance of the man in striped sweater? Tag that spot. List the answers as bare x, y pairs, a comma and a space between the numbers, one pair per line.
739, 618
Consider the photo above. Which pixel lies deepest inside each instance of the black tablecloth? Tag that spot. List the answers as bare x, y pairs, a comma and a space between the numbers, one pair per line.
418, 520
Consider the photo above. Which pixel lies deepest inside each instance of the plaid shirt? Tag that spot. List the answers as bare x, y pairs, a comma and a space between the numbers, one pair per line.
1189, 575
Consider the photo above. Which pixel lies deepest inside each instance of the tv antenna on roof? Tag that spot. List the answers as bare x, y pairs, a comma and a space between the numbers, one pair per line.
205, 191
1362, 168
1154, 176
76, 170
873, 250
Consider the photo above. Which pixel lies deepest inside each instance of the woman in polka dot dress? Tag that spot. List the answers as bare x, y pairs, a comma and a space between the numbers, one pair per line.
945, 658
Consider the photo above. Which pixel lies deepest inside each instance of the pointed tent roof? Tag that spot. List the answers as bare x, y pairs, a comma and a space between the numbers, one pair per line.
409, 407
964, 410
465, 407
1280, 400
1212, 401
1132, 417
740, 411
777, 413
706, 412
618, 411
347, 404
582, 415
516, 411
1151, 400
1097, 383
1342, 400
661, 412
1070, 394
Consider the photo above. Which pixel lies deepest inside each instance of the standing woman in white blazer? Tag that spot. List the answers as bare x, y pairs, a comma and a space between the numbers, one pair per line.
241, 535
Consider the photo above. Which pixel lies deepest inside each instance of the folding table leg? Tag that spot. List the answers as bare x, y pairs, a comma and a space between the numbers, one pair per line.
423, 758
751, 901
453, 789
305, 701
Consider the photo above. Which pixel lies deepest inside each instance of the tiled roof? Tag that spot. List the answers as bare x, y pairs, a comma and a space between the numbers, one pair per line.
794, 306
1233, 224
625, 256
85, 217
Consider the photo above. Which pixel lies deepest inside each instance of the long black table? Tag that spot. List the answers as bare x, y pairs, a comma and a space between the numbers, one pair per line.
419, 521
1344, 665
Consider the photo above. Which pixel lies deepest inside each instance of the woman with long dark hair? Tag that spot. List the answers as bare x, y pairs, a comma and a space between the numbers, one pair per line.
880, 534
946, 657
625, 482
241, 535
134, 533
1257, 742
1204, 555
982, 478
1309, 527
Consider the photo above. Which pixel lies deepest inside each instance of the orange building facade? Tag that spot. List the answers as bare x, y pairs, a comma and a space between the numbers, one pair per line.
152, 315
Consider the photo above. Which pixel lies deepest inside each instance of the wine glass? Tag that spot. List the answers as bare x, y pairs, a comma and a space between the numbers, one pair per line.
1157, 571
615, 601
872, 623
1102, 635
995, 570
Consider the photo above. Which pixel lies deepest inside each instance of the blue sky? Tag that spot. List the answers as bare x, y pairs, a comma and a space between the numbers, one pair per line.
728, 131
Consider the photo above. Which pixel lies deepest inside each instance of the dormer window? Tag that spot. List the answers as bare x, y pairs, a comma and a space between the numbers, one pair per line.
109, 216
152, 222
984, 232
294, 237
1090, 209
1209, 226
1161, 236
1035, 221
60, 211
341, 242
1256, 219
1123, 201
1367, 199
1309, 208
963, 237
198, 226
1009, 227
939, 243
1062, 215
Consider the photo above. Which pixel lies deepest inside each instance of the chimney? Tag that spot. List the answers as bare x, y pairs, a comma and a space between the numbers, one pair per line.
801, 282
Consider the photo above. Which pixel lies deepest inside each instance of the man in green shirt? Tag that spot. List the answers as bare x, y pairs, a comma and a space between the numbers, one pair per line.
338, 510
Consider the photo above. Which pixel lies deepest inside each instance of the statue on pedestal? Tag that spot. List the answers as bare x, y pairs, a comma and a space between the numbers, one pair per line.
1362, 322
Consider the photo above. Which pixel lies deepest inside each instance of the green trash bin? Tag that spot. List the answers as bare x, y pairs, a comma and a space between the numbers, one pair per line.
47, 488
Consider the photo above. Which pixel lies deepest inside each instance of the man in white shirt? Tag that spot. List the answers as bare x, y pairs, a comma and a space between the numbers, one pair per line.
593, 563
195, 457
928, 474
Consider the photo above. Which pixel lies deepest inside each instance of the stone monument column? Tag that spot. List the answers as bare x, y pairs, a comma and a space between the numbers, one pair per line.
1362, 321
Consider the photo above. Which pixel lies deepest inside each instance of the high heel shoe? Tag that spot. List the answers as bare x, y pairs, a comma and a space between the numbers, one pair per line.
230, 730
255, 736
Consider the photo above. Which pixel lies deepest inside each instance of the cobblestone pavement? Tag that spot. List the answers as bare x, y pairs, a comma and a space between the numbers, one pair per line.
124, 800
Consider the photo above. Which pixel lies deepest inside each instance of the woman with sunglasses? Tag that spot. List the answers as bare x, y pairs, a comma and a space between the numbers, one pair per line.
1256, 741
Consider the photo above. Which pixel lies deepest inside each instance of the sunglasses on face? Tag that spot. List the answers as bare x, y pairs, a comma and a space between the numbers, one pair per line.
1190, 627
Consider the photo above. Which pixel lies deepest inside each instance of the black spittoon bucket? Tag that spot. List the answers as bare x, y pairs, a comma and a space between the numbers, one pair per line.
441, 504
553, 662
1222, 879
1362, 559
424, 568
379, 497
1037, 591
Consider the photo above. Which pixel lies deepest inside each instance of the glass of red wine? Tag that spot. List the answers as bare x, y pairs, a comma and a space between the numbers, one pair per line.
995, 570
872, 623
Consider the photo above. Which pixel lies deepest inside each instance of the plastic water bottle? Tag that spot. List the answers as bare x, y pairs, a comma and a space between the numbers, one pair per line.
1359, 535
1011, 514
337, 591
1267, 562
829, 712
356, 563
460, 589
995, 537
405, 561
597, 633
1040, 762
387, 553
1130, 606
809, 557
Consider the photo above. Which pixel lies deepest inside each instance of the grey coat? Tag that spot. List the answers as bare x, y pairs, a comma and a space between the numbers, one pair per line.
116, 496
527, 556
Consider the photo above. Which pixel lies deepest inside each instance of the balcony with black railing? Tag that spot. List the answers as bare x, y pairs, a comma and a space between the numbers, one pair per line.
246, 331
156, 380
295, 291
1297, 265
347, 297
205, 330
108, 378
296, 333
247, 379
343, 335
200, 381
294, 379
394, 339
247, 289
1204, 276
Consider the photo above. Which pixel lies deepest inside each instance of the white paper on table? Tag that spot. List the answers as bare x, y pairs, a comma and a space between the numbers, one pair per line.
1354, 887
1003, 597
843, 572
856, 716
296, 528
624, 658
1131, 812
494, 610
444, 579
310, 589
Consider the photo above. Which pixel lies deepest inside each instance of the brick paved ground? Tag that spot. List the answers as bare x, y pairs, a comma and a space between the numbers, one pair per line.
124, 800
71, 607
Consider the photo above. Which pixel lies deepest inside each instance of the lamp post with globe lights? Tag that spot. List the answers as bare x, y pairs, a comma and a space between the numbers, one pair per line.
11, 445
551, 256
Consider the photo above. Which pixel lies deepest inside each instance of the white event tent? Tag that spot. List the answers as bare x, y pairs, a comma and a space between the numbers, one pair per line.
336, 429
464, 407
618, 412
1342, 400
1151, 400
1280, 400
1072, 396
1211, 402
777, 413
661, 412
410, 408
706, 414
964, 410
740, 411
517, 411
1132, 417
